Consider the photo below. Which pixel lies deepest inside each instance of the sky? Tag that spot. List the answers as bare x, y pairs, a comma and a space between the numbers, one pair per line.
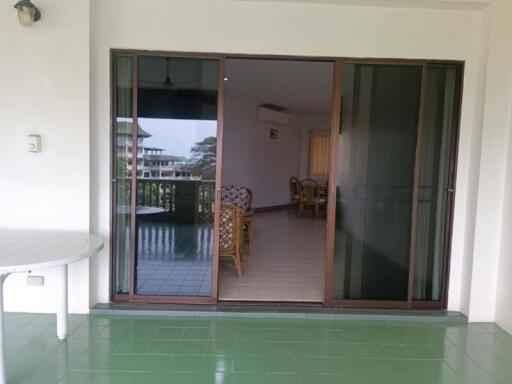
177, 136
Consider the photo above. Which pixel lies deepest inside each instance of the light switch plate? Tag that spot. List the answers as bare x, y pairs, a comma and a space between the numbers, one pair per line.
34, 143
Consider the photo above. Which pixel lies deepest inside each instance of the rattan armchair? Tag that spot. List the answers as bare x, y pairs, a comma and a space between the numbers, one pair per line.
231, 235
242, 198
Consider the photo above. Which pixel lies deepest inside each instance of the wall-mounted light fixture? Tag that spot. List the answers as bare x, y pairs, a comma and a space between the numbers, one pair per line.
28, 13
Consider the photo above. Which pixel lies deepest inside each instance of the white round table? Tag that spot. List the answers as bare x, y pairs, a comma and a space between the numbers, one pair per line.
28, 250
142, 211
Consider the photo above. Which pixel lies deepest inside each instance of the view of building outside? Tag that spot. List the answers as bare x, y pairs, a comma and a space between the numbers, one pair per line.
169, 149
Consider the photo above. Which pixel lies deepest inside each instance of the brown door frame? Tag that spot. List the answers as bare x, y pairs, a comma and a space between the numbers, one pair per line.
331, 209
337, 100
132, 296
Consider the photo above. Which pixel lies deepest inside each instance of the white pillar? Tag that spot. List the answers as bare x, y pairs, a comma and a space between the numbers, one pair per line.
491, 198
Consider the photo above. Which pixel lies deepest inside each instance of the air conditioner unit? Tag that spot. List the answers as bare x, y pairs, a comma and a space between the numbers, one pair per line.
273, 116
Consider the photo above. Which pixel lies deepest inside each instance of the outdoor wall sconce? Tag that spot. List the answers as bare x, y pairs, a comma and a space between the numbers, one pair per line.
28, 13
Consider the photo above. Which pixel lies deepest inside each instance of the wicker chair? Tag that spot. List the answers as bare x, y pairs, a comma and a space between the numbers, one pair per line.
242, 198
310, 197
231, 235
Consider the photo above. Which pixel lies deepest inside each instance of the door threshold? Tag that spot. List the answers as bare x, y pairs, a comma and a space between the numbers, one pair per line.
275, 304
266, 311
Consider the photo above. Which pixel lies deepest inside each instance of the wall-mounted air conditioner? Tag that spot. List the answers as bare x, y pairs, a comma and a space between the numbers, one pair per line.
273, 116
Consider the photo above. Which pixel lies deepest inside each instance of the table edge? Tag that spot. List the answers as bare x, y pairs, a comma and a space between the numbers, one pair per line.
55, 263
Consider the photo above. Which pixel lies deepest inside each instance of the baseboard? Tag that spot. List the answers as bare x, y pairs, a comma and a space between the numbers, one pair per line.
271, 208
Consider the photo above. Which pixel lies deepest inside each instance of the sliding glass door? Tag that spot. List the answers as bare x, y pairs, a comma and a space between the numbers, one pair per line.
392, 184
436, 183
376, 175
166, 126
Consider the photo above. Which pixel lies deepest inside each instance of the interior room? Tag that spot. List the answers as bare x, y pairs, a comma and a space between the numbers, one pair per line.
275, 165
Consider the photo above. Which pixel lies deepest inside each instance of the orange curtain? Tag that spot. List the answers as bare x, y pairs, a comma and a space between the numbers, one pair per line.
319, 147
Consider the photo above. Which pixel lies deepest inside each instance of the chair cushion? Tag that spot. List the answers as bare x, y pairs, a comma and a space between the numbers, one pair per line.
236, 195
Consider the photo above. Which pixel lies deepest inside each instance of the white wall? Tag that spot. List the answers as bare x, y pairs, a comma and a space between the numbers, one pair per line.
44, 72
44, 77
461, 275
306, 124
504, 285
496, 165
252, 159
492, 168
286, 29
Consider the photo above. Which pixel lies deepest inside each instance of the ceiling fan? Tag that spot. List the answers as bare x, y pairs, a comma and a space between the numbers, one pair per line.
168, 82
184, 86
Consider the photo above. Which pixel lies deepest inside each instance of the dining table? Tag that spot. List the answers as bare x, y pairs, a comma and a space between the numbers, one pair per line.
24, 250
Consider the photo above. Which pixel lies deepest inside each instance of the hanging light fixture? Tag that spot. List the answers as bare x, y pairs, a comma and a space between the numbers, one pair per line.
28, 13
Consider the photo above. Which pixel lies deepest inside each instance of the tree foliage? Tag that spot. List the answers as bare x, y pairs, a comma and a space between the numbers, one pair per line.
204, 157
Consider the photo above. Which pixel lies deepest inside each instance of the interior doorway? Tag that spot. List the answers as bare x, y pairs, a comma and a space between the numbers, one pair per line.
276, 145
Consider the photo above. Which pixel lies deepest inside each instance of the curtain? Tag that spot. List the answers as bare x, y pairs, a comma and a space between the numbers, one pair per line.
124, 124
319, 148
434, 182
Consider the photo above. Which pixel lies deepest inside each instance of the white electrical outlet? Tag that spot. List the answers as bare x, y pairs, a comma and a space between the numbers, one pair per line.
35, 280
34, 143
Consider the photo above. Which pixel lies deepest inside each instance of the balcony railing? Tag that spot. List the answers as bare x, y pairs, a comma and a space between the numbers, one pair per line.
180, 200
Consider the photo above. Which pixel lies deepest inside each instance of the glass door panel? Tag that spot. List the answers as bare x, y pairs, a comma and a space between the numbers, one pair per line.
375, 178
177, 101
436, 181
122, 169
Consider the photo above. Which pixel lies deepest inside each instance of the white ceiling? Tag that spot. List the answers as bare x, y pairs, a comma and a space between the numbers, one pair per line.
427, 4
301, 86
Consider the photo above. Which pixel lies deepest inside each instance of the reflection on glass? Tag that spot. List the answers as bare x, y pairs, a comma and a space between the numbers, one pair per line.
122, 169
436, 142
375, 181
176, 158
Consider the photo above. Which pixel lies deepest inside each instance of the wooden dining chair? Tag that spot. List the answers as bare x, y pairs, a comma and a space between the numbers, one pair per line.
242, 198
294, 191
310, 197
231, 235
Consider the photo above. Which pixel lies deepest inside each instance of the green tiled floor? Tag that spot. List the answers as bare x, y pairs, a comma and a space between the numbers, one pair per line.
150, 350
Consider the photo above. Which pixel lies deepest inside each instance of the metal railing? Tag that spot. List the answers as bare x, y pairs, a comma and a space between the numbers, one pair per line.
182, 200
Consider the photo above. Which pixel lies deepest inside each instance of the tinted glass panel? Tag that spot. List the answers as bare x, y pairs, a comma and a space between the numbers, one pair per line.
122, 169
436, 144
176, 157
375, 181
